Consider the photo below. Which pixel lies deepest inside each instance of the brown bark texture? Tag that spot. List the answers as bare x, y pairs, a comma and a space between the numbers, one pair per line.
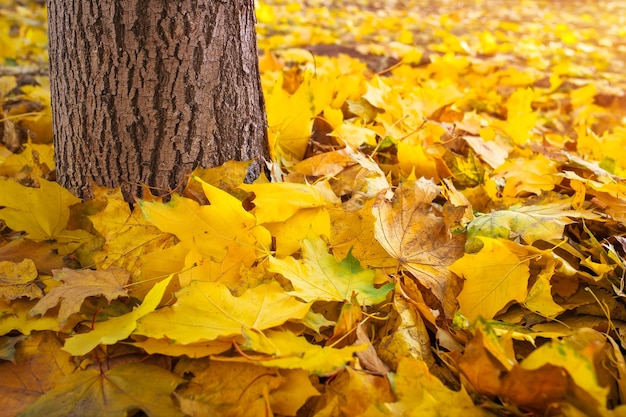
143, 91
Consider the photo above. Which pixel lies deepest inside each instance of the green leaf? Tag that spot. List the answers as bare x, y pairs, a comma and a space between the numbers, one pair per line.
317, 276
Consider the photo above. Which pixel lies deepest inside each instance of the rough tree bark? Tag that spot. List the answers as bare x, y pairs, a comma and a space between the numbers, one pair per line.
143, 91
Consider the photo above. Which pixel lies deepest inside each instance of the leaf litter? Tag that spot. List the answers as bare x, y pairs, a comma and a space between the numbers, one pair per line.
443, 235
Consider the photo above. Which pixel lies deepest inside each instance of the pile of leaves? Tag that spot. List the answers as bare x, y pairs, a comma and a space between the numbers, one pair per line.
443, 233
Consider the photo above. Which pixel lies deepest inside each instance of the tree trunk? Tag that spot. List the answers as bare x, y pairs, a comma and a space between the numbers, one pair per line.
143, 91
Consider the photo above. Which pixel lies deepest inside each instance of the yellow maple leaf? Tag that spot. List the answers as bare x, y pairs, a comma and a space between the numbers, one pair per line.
521, 118
419, 392
227, 177
379, 94
413, 159
352, 135
131, 386
413, 230
290, 116
409, 337
291, 232
219, 232
528, 175
117, 328
127, 234
42, 213
39, 124
193, 350
494, 277
350, 393
271, 205
295, 352
318, 276
17, 317
39, 158
353, 232
540, 299
206, 311
293, 393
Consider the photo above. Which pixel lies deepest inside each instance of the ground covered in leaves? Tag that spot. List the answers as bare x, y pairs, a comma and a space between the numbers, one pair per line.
443, 235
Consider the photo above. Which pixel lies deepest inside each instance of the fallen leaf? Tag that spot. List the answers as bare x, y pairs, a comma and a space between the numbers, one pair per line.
350, 392
521, 118
293, 393
77, 286
531, 175
224, 235
290, 116
414, 231
193, 350
16, 280
7, 347
117, 392
318, 276
38, 364
289, 351
350, 316
369, 358
128, 236
205, 311
225, 389
353, 232
408, 338
41, 212
419, 391
540, 298
485, 360
531, 223
494, 277
19, 319
117, 328
271, 205
44, 254
577, 360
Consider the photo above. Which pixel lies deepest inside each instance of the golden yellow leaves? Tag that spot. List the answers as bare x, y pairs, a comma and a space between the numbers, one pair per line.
288, 351
24, 37
290, 116
418, 391
280, 281
521, 118
43, 213
206, 311
306, 212
494, 277
219, 238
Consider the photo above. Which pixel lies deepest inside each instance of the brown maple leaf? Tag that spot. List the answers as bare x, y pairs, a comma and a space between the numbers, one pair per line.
415, 231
